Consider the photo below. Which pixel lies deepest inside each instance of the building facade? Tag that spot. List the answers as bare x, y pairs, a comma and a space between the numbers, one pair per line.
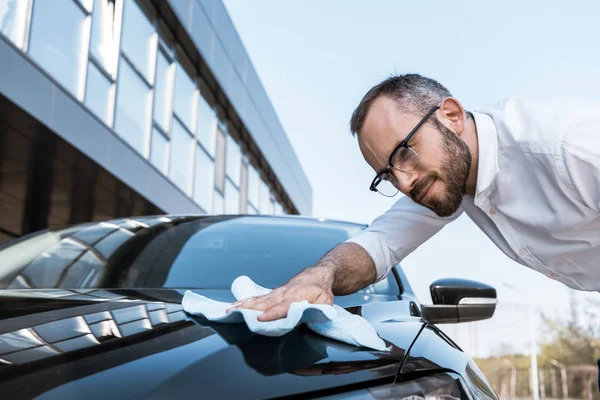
116, 108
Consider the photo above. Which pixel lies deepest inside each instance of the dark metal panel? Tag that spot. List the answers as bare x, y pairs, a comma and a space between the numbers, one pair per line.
82, 205
39, 185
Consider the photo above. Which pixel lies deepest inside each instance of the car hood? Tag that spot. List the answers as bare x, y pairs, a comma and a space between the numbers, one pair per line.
130, 343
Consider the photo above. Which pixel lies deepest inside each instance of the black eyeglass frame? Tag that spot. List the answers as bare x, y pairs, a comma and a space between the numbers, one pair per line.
404, 143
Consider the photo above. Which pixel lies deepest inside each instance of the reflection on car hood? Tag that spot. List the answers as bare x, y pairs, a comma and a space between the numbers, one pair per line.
139, 343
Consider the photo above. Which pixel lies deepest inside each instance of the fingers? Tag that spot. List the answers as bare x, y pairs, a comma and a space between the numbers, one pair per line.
259, 303
277, 312
272, 309
276, 303
239, 304
273, 305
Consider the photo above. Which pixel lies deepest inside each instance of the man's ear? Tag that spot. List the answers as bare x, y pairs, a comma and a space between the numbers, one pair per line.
452, 111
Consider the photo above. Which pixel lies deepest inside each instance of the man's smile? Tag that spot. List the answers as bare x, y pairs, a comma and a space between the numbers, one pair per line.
422, 189
423, 194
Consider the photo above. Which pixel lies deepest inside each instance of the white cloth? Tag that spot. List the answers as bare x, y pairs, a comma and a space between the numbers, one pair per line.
537, 194
331, 321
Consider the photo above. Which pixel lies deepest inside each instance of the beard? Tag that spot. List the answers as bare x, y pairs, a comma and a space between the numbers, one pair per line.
454, 174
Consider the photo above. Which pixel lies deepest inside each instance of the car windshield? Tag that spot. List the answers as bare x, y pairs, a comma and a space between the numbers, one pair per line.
199, 252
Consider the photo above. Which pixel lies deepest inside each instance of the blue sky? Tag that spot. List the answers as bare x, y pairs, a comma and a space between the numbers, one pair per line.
316, 59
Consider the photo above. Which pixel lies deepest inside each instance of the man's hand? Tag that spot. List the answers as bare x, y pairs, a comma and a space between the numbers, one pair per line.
277, 303
346, 269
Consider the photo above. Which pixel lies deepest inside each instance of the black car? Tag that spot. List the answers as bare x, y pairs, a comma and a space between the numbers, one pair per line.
94, 311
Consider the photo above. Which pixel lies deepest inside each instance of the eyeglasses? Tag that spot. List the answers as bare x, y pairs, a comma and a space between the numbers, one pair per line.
404, 158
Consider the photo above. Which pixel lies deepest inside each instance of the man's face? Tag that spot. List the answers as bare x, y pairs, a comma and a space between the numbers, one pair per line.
439, 182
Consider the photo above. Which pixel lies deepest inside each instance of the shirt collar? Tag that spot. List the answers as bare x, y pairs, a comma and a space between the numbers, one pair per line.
487, 139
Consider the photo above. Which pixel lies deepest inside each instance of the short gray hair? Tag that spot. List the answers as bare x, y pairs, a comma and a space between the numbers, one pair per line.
415, 93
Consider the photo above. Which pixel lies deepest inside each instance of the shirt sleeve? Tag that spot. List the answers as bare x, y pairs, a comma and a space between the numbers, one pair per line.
581, 157
398, 232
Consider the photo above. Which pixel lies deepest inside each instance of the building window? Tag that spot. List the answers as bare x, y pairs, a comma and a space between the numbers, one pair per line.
234, 160
139, 40
253, 186
182, 148
159, 154
104, 45
163, 92
218, 203
278, 209
13, 19
203, 179
205, 125
265, 199
59, 42
99, 94
251, 210
220, 161
134, 97
232, 198
244, 189
87, 4
185, 97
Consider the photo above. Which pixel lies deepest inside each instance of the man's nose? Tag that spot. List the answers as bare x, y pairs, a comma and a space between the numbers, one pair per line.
406, 180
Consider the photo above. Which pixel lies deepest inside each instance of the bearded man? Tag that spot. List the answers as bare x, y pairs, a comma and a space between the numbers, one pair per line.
528, 174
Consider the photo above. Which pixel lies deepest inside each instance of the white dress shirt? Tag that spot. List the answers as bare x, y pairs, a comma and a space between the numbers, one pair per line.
537, 194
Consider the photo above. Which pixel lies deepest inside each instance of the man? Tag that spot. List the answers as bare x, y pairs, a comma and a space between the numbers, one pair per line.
528, 174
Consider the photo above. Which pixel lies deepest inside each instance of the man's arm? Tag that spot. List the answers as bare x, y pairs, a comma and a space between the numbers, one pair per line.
346, 269
357, 263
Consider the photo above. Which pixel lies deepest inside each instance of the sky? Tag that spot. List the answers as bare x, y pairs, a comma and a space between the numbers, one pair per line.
316, 59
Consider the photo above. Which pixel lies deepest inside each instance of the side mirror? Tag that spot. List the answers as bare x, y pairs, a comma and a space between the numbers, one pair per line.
459, 300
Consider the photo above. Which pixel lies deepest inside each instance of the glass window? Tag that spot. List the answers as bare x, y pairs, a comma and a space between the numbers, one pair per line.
111, 243
205, 125
218, 204
244, 189
159, 154
272, 207
253, 185
182, 147
132, 119
202, 253
47, 267
265, 200
99, 94
13, 18
268, 250
204, 175
163, 92
139, 40
232, 198
278, 209
234, 160
59, 39
220, 161
87, 4
251, 209
104, 45
185, 97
